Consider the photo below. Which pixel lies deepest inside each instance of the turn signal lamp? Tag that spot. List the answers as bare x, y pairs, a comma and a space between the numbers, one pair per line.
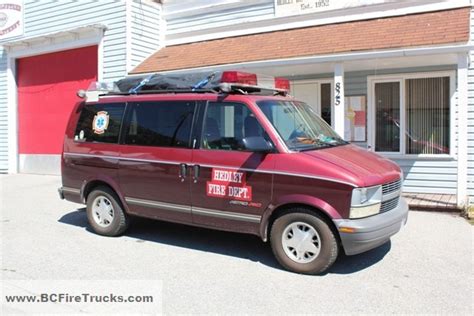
348, 230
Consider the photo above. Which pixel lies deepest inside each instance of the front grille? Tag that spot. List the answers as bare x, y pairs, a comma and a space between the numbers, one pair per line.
389, 205
391, 187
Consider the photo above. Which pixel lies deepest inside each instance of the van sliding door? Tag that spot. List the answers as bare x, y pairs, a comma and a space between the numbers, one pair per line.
155, 155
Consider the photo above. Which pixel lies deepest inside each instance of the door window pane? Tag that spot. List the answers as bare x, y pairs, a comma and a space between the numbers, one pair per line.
226, 124
427, 114
99, 123
387, 116
161, 124
326, 102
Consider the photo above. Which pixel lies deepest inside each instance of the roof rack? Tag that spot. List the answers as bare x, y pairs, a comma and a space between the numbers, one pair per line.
225, 82
162, 91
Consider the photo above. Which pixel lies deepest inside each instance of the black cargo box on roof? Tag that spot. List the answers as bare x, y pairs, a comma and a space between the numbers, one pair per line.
189, 81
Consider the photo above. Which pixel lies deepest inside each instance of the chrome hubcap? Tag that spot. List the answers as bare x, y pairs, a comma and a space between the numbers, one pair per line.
301, 242
102, 211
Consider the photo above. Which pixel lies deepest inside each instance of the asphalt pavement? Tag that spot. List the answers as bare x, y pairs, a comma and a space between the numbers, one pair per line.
426, 268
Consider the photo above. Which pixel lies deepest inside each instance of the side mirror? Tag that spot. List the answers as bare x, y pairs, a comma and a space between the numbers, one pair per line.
257, 144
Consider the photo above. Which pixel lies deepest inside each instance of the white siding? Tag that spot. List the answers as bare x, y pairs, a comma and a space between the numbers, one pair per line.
470, 122
49, 16
145, 31
207, 14
196, 20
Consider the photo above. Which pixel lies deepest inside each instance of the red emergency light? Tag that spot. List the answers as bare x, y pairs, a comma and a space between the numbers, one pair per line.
239, 78
282, 83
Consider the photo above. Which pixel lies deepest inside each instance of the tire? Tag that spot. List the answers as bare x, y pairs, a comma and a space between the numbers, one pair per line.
315, 244
105, 212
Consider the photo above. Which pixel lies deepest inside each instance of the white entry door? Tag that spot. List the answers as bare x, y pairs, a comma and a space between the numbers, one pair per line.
318, 94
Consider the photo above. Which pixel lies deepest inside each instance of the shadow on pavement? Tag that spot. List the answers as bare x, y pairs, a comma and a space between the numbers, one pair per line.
350, 264
225, 243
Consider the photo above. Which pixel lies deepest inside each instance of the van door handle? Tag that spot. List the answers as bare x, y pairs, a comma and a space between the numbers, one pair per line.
196, 173
183, 168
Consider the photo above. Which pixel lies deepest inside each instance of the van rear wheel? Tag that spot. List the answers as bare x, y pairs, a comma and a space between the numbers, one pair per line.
303, 242
105, 213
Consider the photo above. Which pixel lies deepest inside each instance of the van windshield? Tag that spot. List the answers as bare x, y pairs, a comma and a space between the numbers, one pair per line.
299, 125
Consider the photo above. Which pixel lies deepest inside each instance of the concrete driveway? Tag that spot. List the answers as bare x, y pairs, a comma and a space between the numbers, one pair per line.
426, 268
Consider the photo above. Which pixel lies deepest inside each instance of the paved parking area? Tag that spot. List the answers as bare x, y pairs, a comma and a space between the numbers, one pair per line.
427, 268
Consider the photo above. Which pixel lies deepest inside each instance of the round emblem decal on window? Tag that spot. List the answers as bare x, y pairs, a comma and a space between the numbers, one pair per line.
101, 122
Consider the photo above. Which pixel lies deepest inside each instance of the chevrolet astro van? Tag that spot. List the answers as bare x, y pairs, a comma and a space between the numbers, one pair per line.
231, 152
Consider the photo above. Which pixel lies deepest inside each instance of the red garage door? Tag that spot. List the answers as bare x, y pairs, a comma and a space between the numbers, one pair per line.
47, 86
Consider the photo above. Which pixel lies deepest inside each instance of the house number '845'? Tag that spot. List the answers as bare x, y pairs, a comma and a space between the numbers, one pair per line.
338, 93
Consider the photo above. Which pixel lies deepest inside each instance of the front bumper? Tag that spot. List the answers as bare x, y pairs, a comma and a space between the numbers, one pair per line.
372, 231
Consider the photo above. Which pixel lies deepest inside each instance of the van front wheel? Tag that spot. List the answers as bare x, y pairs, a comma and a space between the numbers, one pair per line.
105, 213
303, 242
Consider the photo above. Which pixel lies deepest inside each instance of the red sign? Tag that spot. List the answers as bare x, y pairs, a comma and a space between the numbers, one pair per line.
229, 184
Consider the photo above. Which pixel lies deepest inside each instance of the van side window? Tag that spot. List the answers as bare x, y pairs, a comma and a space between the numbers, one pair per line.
161, 124
99, 123
226, 124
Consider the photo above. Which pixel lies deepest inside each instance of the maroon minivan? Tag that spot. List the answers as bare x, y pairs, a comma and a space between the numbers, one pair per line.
238, 156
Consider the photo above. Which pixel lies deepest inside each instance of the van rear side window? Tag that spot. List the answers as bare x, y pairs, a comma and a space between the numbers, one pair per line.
160, 124
100, 123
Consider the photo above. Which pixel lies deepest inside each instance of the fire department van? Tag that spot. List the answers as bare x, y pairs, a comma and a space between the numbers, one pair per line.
230, 151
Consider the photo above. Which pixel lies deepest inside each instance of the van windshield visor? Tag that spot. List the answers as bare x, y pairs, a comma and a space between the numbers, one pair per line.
299, 125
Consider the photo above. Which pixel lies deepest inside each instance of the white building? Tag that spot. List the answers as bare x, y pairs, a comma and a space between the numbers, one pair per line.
392, 76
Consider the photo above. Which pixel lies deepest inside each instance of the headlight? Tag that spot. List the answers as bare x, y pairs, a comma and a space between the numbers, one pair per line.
365, 201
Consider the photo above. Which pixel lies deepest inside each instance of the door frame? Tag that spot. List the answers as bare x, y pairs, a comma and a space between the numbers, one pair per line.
318, 83
371, 142
71, 39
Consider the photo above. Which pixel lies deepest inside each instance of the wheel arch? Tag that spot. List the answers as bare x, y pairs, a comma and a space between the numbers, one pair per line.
89, 185
312, 204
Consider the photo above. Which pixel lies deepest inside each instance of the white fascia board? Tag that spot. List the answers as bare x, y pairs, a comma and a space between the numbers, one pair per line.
208, 7
332, 58
191, 10
54, 44
71, 31
271, 24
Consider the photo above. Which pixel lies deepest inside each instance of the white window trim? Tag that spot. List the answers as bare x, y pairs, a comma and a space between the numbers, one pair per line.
318, 83
371, 80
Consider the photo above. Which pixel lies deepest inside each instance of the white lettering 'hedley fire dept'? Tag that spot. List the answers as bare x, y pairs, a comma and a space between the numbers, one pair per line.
227, 176
228, 184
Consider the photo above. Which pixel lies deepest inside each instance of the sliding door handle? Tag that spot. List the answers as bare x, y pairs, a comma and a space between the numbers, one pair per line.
196, 173
183, 169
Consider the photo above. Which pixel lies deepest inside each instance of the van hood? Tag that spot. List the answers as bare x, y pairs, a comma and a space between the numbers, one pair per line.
370, 168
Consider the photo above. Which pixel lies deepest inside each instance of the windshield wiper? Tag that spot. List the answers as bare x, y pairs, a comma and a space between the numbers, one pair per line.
317, 144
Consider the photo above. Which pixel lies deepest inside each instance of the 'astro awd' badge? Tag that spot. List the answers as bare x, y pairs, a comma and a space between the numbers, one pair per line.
100, 122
